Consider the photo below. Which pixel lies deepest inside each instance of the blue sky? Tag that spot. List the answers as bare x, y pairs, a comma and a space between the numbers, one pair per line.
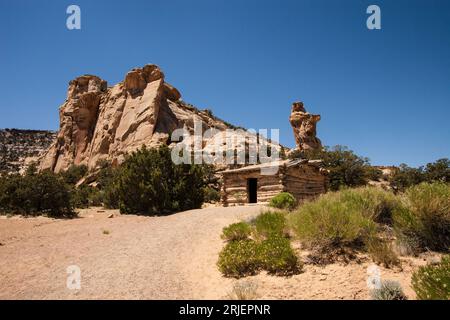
384, 93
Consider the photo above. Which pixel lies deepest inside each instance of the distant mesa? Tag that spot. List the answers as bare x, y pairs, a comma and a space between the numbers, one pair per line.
19, 148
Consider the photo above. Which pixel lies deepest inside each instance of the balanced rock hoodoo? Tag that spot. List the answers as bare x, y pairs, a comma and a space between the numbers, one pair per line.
304, 126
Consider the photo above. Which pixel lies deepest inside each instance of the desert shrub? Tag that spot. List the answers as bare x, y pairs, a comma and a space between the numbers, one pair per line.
283, 200
278, 257
270, 224
425, 215
96, 198
333, 219
382, 253
80, 196
85, 196
405, 176
389, 290
432, 282
271, 251
407, 245
35, 193
110, 196
237, 231
148, 182
107, 191
373, 173
243, 290
211, 195
74, 174
374, 203
240, 258
438, 171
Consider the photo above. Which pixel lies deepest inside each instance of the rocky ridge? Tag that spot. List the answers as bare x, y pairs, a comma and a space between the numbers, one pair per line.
18, 148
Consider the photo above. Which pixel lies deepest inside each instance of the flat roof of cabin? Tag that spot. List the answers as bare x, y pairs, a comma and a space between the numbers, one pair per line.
287, 163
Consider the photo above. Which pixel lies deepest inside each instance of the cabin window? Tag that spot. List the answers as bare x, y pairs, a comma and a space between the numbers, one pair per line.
252, 190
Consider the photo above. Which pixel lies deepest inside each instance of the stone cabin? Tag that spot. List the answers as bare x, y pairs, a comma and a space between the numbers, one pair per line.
302, 178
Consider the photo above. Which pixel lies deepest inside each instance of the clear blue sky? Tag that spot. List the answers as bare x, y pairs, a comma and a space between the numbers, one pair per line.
384, 93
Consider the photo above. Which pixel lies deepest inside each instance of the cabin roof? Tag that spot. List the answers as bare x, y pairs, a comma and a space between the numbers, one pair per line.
286, 163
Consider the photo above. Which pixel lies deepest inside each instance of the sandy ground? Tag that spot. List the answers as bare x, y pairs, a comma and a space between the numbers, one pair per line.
172, 257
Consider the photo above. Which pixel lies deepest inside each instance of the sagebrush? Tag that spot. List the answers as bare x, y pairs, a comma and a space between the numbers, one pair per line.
336, 218
424, 216
389, 290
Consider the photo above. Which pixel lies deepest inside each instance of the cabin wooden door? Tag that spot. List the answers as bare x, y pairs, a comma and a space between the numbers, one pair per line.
252, 190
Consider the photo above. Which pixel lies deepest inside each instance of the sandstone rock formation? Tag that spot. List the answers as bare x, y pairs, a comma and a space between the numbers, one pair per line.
100, 123
304, 126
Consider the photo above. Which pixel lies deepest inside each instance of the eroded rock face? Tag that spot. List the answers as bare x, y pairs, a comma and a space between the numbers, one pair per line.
99, 123
78, 118
304, 126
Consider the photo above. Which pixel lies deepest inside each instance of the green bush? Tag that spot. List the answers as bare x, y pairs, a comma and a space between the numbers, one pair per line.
211, 195
432, 282
405, 176
74, 174
271, 252
110, 196
438, 171
373, 173
237, 231
107, 194
240, 258
85, 196
35, 193
270, 224
425, 215
148, 182
374, 203
334, 219
283, 200
389, 290
278, 257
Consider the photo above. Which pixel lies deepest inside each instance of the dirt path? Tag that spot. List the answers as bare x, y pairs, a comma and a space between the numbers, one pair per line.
124, 257
173, 257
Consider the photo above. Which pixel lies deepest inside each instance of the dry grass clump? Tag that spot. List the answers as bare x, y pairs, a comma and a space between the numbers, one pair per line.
244, 290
